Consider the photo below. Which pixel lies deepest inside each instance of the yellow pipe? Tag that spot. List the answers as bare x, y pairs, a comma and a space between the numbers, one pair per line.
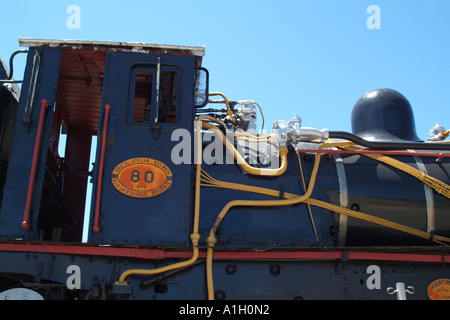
200, 118
444, 134
209, 274
195, 236
252, 141
125, 274
240, 133
262, 116
241, 161
229, 112
198, 175
246, 136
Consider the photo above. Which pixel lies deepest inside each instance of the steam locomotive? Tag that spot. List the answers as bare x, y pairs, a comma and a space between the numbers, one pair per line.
191, 199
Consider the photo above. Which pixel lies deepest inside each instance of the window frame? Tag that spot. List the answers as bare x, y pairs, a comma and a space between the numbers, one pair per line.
131, 97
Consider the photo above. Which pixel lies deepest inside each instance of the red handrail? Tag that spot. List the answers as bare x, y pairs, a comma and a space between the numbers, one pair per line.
37, 144
96, 227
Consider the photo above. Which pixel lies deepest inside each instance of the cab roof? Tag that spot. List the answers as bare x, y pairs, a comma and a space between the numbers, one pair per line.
115, 46
82, 71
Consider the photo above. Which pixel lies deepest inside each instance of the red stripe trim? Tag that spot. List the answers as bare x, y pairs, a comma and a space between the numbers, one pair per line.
157, 254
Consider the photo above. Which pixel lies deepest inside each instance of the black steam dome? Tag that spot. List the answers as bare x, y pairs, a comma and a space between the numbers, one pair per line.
384, 115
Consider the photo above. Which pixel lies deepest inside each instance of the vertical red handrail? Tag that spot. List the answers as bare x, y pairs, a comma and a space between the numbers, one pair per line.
37, 144
96, 226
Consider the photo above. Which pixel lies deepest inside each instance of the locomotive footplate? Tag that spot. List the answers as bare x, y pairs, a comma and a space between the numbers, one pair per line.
92, 272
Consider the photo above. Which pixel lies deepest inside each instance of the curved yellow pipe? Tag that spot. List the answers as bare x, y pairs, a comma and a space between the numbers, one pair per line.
209, 118
241, 161
445, 134
229, 112
181, 264
240, 133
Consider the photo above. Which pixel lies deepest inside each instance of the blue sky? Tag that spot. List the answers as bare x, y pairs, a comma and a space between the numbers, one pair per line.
313, 58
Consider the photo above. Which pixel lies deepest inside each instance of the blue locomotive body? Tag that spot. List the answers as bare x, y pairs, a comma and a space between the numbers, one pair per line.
181, 188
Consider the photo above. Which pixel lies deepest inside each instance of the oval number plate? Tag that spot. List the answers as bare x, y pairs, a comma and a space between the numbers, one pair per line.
439, 290
142, 178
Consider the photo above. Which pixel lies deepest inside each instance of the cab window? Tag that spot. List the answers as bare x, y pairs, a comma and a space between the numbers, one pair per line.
143, 99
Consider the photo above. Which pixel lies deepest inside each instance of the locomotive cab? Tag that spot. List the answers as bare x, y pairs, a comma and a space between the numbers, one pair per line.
124, 98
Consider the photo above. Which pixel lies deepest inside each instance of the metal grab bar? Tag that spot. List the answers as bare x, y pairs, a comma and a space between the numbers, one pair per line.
9, 79
32, 89
96, 227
